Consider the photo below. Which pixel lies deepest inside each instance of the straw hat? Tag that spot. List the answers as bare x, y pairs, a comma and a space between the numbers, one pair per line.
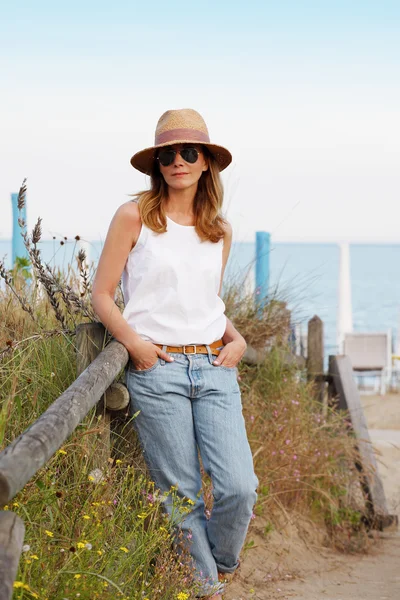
180, 127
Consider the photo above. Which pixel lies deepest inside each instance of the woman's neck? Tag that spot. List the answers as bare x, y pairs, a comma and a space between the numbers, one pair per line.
180, 203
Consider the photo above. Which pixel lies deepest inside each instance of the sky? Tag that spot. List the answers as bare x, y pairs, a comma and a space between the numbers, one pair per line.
305, 94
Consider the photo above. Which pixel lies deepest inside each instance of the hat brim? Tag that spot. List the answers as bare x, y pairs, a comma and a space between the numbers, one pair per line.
143, 160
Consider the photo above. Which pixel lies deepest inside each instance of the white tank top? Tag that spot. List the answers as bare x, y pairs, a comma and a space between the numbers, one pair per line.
170, 285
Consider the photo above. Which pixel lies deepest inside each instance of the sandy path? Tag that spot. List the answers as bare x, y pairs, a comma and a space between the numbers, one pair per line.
292, 569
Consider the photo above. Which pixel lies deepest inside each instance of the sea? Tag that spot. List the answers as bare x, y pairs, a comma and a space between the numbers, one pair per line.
305, 275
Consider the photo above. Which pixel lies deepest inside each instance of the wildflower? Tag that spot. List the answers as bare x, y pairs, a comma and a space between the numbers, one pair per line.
26, 548
142, 516
253, 516
61, 451
182, 596
287, 442
124, 549
273, 453
100, 552
118, 461
15, 504
52, 375
86, 517
96, 475
34, 557
88, 546
49, 533
80, 545
191, 502
294, 456
189, 536
77, 576
252, 418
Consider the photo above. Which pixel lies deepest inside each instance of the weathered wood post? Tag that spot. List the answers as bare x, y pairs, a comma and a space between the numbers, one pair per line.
90, 340
315, 356
12, 531
343, 387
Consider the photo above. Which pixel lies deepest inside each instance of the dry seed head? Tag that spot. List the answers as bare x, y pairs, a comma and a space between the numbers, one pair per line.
22, 195
37, 231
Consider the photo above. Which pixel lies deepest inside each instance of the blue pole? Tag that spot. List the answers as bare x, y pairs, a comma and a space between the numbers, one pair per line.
262, 267
18, 246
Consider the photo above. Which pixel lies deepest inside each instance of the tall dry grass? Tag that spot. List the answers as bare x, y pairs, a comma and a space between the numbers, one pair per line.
103, 534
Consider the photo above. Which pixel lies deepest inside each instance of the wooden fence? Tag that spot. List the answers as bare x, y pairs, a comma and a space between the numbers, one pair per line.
98, 366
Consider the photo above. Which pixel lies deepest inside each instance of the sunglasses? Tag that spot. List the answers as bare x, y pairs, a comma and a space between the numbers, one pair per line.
167, 155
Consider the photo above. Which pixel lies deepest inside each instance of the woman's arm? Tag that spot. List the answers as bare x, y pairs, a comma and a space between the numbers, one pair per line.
121, 237
235, 344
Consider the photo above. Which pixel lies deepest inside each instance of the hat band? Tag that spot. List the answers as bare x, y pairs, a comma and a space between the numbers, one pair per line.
172, 135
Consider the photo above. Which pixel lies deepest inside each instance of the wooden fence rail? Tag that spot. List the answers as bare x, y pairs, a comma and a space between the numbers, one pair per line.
33, 448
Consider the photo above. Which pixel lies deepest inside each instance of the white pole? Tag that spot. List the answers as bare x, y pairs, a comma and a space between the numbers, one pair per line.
344, 316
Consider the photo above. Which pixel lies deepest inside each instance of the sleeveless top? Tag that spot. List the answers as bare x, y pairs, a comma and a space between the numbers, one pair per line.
170, 285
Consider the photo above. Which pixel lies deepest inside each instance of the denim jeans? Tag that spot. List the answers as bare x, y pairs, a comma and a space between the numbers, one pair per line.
190, 405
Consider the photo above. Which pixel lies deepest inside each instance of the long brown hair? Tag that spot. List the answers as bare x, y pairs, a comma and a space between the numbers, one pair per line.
209, 223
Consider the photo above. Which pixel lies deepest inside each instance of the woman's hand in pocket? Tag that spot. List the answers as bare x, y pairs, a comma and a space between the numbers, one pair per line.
231, 354
144, 355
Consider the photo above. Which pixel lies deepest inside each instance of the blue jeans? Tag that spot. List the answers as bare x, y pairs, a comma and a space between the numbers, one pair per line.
190, 405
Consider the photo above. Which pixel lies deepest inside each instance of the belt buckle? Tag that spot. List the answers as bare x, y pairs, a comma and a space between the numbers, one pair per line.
189, 346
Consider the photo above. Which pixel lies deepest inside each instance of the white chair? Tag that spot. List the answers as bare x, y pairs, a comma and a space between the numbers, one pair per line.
371, 354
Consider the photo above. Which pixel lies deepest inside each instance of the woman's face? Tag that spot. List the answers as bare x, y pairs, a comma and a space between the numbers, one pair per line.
180, 174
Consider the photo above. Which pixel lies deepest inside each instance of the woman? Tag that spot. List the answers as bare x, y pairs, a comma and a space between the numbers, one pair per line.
171, 247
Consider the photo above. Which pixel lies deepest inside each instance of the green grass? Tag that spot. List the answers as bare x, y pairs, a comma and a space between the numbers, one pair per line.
102, 533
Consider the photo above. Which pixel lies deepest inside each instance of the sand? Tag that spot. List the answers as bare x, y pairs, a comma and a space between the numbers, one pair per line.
294, 565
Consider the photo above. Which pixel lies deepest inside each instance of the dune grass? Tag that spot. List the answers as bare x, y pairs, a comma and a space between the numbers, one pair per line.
96, 532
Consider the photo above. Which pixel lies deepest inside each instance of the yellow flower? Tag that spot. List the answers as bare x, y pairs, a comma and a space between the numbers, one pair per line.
100, 552
28, 562
90, 477
189, 501
15, 504
77, 576
49, 533
34, 557
21, 584
124, 549
182, 596
5, 507
61, 451
86, 517
80, 545
118, 461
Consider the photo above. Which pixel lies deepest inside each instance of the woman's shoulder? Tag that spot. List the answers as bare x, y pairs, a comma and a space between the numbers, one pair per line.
128, 216
129, 210
227, 230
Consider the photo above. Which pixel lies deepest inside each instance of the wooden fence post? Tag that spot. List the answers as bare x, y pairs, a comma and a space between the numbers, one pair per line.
12, 531
90, 340
315, 355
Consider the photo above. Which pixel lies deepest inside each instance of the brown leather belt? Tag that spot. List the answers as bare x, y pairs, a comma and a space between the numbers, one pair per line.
194, 348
